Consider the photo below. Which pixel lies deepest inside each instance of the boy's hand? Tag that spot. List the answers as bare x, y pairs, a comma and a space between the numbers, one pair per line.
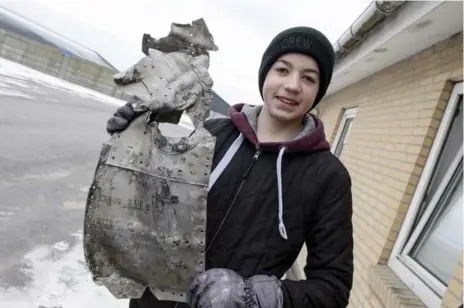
121, 119
223, 288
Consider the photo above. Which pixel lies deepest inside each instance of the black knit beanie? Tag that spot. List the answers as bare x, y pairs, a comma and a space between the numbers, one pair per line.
304, 40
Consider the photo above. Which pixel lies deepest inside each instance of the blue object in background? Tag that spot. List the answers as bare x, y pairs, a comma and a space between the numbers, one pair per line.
66, 53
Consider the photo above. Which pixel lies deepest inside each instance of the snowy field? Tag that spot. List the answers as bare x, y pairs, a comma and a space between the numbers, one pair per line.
13, 83
50, 132
14, 77
57, 278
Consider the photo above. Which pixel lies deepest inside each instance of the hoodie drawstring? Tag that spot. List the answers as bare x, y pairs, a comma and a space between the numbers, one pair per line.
282, 229
226, 160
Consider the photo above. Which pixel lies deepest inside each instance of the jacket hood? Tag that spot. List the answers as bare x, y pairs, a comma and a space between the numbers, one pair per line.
311, 139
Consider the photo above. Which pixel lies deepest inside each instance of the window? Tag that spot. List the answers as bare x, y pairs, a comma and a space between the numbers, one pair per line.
430, 241
343, 131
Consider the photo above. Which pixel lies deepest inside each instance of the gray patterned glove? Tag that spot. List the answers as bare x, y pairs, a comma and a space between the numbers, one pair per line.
223, 288
121, 118
125, 114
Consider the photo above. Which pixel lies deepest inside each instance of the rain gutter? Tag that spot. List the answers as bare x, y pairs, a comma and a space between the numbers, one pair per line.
373, 15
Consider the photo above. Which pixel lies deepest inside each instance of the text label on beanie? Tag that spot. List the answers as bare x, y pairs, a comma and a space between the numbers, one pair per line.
297, 41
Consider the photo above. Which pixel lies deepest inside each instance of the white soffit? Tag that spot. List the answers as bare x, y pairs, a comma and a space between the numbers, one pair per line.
417, 26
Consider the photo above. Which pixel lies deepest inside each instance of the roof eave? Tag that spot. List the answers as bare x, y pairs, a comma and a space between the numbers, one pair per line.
410, 28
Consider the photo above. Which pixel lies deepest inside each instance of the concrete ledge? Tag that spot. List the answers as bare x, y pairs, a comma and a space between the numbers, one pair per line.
62, 64
390, 290
49, 59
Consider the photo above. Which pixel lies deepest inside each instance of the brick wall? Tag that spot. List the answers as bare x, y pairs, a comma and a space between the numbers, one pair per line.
400, 109
454, 294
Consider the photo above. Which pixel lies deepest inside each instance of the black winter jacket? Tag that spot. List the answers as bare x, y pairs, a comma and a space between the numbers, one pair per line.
316, 207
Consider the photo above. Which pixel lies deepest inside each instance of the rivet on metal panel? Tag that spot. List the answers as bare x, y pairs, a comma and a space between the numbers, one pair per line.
174, 197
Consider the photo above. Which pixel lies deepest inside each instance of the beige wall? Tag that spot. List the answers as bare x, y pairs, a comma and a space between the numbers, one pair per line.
399, 112
453, 296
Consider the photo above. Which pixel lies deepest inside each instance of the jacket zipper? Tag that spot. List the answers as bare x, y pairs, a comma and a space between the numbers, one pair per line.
242, 182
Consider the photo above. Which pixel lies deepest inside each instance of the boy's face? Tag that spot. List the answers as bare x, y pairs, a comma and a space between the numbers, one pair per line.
291, 87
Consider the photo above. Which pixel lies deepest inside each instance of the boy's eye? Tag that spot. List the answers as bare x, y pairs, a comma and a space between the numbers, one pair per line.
281, 70
309, 79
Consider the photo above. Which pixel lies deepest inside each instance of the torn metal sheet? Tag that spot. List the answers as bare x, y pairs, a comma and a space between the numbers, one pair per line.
145, 220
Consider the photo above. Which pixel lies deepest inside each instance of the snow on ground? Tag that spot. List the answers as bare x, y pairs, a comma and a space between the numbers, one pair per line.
20, 73
13, 93
58, 278
52, 276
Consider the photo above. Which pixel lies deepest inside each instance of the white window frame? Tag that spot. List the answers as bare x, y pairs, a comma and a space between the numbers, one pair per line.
405, 267
350, 113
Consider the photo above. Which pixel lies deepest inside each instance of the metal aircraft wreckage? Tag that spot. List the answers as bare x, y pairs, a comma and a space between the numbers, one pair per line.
145, 218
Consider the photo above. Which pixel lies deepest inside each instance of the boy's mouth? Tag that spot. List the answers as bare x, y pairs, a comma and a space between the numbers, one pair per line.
287, 100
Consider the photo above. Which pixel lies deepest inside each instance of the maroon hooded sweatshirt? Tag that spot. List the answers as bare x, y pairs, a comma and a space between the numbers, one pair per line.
272, 198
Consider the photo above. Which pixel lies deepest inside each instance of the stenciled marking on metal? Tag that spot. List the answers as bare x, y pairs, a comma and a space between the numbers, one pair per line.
145, 218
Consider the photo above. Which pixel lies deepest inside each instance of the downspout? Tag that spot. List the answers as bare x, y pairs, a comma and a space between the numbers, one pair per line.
375, 13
